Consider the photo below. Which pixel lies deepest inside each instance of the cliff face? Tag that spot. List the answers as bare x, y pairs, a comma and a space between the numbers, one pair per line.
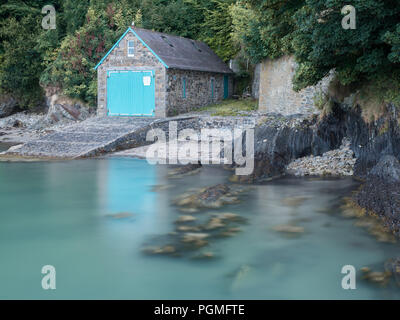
280, 140
376, 146
371, 141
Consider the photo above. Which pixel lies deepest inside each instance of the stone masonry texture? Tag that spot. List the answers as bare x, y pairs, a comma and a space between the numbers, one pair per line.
276, 89
169, 99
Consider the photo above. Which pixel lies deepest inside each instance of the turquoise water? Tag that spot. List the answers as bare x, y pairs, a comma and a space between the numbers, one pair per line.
58, 213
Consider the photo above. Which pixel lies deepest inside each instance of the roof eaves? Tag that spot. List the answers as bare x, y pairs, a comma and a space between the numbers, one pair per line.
117, 43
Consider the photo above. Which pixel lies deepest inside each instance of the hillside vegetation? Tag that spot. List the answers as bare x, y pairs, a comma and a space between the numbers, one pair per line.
32, 58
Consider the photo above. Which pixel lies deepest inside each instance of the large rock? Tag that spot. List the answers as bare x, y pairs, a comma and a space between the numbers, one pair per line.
69, 110
380, 193
371, 140
62, 109
387, 169
279, 140
8, 106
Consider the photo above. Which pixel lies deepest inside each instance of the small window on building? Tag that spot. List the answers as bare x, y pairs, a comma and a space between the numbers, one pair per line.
131, 48
184, 87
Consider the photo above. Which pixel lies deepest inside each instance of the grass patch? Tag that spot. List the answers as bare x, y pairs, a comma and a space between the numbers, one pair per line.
232, 107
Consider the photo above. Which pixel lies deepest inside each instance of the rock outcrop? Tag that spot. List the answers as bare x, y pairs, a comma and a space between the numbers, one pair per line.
279, 140
62, 109
338, 162
381, 192
8, 106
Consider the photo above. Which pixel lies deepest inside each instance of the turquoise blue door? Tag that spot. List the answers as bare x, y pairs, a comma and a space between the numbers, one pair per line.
130, 93
226, 87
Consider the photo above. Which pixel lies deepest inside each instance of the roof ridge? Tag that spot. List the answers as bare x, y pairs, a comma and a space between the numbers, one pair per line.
167, 34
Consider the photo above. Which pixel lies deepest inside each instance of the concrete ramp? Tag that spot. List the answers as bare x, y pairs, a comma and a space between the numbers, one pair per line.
89, 138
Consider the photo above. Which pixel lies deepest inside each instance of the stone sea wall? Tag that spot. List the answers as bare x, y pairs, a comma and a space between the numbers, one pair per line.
276, 89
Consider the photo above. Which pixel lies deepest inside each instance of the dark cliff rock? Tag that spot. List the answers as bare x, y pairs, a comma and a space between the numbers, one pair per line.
280, 140
387, 169
8, 106
369, 140
381, 192
376, 146
372, 140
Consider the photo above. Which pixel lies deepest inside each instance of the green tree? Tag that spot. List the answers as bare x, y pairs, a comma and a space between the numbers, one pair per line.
217, 29
72, 67
312, 31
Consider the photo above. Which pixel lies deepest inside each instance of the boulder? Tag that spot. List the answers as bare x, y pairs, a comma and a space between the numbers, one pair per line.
379, 194
289, 229
8, 106
184, 219
212, 197
387, 169
62, 109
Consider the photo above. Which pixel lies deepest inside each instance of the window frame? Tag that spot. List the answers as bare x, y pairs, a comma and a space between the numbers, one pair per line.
131, 47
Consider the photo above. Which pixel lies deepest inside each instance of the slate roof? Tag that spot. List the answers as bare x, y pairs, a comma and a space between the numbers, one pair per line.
182, 53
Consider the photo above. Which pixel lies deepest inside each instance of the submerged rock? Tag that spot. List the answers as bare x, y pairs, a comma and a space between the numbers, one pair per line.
205, 255
368, 220
212, 197
166, 250
159, 188
183, 171
194, 237
230, 232
189, 210
121, 215
377, 277
215, 223
294, 201
289, 229
231, 217
184, 219
188, 229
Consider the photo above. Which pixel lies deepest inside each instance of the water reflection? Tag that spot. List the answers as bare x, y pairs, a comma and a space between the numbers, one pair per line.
128, 186
63, 214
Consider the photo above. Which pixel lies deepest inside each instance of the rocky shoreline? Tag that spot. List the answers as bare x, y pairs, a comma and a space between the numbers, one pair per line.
339, 144
21, 127
380, 194
336, 163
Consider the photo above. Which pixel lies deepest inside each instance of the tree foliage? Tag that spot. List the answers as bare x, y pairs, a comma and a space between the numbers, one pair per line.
31, 58
312, 31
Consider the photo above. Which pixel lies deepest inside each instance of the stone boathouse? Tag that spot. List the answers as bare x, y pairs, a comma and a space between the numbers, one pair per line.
148, 73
